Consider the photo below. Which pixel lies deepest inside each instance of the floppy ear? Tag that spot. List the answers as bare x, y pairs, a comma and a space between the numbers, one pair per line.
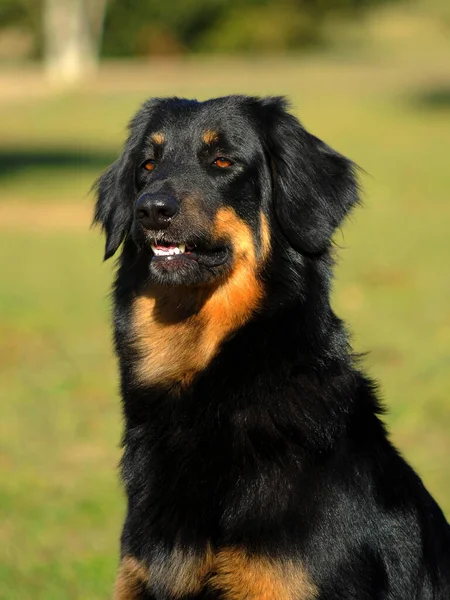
314, 186
116, 187
112, 210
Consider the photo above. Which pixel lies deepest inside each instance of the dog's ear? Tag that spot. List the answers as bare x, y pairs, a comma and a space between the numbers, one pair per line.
112, 210
314, 186
115, 189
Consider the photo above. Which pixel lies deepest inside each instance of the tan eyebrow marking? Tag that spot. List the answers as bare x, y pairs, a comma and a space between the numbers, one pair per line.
158, 138
210, 136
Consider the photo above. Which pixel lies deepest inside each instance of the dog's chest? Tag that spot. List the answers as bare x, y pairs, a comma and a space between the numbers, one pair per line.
173, 348
232, 573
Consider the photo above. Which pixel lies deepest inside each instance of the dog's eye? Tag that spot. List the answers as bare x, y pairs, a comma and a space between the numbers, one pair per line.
149, 164
222, 162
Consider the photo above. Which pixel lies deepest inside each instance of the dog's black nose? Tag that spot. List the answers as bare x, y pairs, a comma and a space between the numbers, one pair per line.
156, 211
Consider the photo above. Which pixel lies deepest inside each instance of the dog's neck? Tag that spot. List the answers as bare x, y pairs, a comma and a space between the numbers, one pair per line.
207, 337
178, 342
177, 331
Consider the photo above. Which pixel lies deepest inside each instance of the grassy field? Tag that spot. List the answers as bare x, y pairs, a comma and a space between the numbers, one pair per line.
60, 425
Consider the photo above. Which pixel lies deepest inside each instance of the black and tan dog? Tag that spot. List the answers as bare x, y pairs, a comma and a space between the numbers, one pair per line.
256, 466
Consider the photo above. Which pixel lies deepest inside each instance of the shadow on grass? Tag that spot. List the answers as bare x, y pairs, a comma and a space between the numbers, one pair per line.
15, 160
437, 98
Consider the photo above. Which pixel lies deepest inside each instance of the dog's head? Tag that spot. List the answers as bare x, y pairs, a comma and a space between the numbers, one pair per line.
200, 183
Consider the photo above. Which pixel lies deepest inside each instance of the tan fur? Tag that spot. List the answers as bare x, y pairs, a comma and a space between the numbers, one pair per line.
265, 236
233, 572
158, 138
240, 576
210, 136
131, 578
178, 333
183, 573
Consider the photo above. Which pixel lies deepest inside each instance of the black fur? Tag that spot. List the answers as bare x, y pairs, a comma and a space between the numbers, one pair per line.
277, 446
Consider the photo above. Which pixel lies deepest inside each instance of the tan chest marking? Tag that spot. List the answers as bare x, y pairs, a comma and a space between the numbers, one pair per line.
240, 576
178, 333
231, 571
179, 574
131, 579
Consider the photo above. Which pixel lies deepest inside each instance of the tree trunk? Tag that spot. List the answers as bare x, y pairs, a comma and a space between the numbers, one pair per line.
72, 35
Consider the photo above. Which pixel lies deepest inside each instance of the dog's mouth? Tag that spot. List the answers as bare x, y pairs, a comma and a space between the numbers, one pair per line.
181, 252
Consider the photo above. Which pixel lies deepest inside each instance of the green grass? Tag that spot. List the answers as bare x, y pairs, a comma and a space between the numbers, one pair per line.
60, 426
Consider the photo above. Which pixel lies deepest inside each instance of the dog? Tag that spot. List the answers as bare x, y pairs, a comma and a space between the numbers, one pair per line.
256, 464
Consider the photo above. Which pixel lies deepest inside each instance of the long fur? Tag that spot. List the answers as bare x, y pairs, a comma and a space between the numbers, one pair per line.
275, 449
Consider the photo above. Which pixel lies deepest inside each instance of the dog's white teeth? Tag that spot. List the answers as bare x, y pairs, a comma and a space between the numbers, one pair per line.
169, 251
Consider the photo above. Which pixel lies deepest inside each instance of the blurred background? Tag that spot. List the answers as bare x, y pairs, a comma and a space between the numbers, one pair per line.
371, 77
